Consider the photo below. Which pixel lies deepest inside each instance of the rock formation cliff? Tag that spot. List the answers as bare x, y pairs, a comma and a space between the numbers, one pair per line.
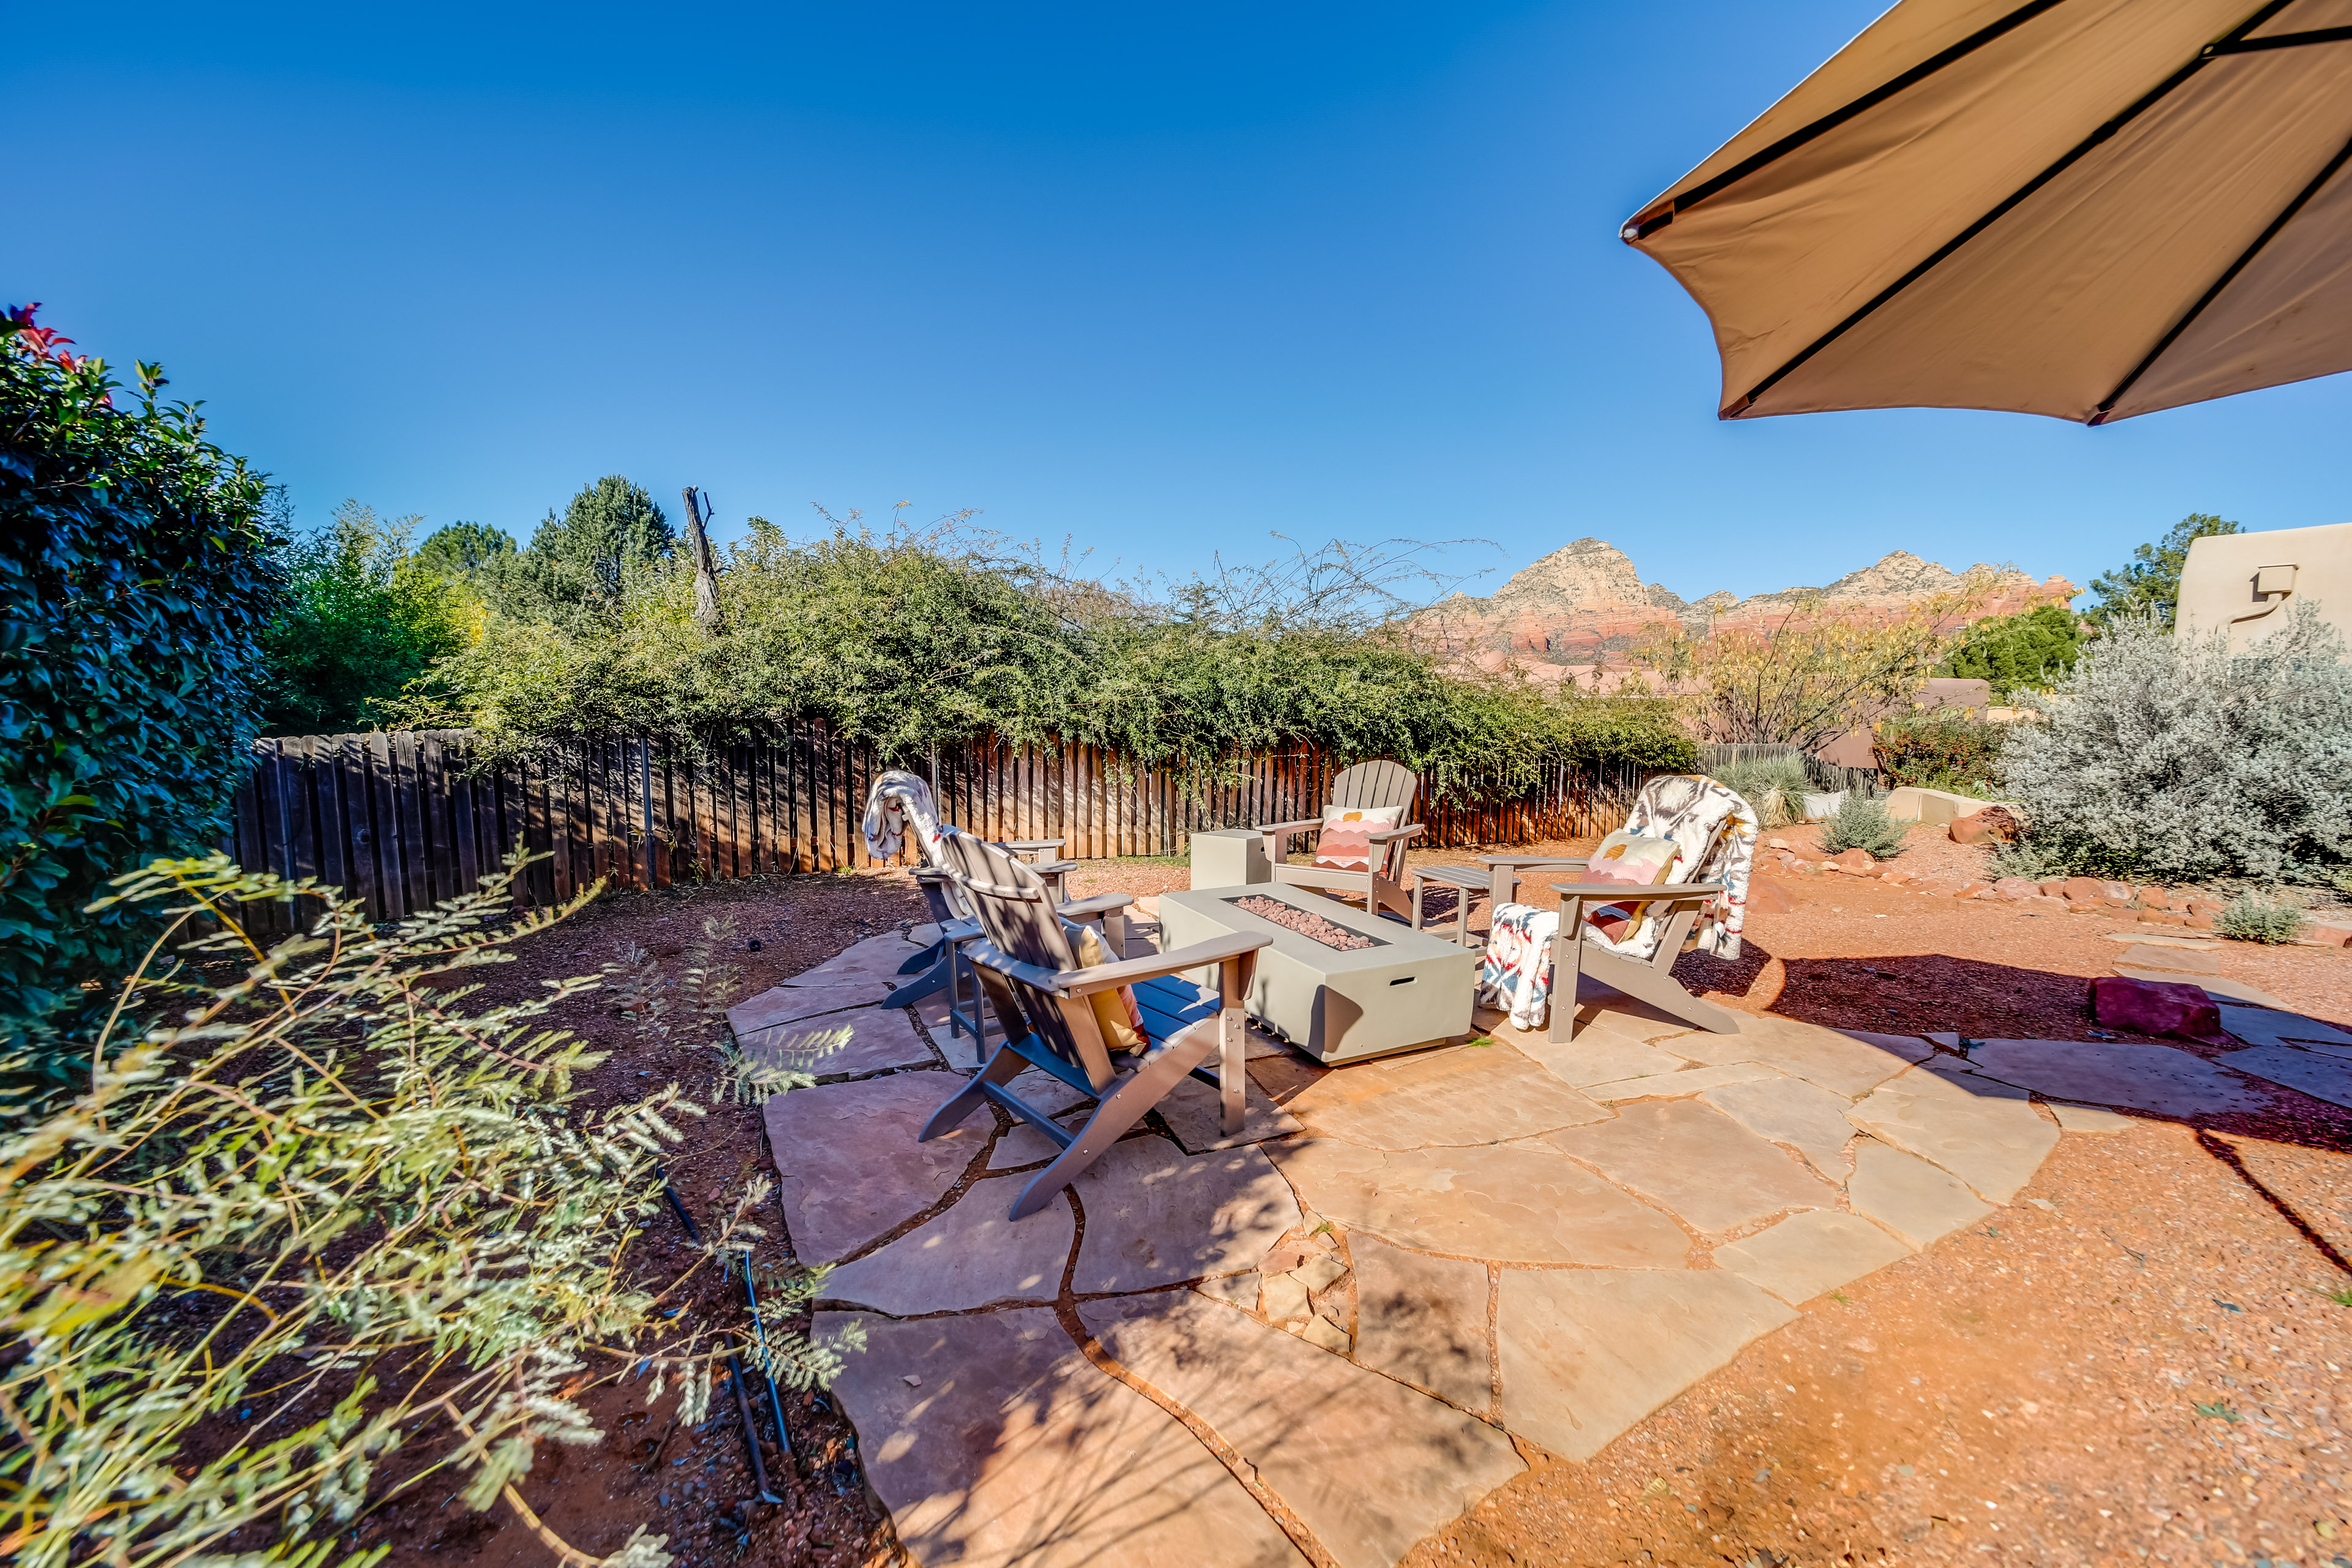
1586, 600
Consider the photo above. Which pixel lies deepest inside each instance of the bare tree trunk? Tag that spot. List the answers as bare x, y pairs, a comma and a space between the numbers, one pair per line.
706, 572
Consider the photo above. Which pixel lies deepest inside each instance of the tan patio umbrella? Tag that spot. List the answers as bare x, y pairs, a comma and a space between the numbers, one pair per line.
2085, 208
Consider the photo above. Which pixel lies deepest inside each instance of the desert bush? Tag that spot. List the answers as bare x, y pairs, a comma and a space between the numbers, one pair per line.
2172, 759
1812, 675
2034, 859
1775, 786
1861, 823
1946, 748
136, 578
306, 1184
2250, 917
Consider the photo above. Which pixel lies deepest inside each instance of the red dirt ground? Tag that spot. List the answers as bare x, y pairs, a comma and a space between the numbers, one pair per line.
2052, 1362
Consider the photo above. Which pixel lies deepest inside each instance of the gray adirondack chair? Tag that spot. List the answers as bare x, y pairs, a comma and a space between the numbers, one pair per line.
1027, 965
1380, 887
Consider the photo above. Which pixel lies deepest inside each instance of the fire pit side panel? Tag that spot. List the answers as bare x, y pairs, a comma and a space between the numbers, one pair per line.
1413, 990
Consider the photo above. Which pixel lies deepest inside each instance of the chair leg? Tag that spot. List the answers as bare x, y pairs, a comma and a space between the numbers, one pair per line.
1569, 968
1233, 1072
1117, 1112
934, 978
1002, 1068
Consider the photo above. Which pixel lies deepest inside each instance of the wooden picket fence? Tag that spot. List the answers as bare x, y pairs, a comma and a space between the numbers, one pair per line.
404, 819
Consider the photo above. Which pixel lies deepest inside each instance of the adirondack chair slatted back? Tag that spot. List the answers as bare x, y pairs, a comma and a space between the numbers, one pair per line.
1375, 785
1018, 916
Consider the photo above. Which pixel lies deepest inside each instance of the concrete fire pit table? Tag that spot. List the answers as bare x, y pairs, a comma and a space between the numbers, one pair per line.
1400, 989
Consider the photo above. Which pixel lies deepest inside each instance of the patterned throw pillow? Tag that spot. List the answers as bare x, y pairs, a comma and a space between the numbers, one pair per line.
1624, 857
1346, 842
1115, 1013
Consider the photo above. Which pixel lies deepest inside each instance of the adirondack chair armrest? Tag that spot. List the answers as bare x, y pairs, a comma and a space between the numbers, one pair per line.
1617, 892
1200, 955
1049, 869
1032, 846
1127, 972
1280, 832
1532, 861
1100, 904
1387, 835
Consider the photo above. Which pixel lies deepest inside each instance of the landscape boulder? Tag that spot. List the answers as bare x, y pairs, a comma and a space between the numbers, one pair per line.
2155, 899
2016, 887
2155, 1007
1856, 860
1993, 824
2162, 918
2042, 904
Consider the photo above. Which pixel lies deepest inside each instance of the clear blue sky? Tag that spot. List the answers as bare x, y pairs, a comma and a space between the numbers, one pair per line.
1159, 278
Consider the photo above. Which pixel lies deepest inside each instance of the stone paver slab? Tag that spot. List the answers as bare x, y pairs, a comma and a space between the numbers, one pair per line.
873, 962
2321, 1077
2088, 1119
1808, 1051
2268, 1026
1367, 1464
1196, 1115
1585, 1353
1697, 1161
1994, 1145
2162, 1078
1808, 1254
839, 1044
1791, 1111
789, 1004
1909, 1196
1910, 1048
1460, 1097
1675, 1085
1424, 1320
1156, 1214
970, 1256
1596, 1056
848, 1167
1513, 1203
1012, 1448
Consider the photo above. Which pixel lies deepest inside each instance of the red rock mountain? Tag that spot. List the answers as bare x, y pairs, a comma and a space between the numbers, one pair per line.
1586, 599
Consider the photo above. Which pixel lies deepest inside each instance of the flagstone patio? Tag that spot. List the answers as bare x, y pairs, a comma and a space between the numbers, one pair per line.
1407, 1276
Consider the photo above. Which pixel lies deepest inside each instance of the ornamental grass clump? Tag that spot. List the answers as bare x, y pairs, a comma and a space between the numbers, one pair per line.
305, 1184
1861, 823
2250, 917
1775, 786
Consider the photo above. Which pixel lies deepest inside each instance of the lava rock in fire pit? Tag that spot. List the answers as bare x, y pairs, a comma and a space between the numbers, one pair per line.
1313, 927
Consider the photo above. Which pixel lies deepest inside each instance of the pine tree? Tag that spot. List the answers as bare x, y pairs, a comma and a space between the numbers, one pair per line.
2149, 585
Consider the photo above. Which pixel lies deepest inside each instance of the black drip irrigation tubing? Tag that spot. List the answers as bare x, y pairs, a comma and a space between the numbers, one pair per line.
735, 1367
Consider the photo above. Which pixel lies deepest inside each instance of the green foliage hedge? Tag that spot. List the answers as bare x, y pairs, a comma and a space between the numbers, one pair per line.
2031, 652
136, 577
909, 643
1947, 749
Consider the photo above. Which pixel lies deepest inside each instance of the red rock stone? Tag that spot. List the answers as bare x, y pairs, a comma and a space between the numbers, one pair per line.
1992, 824
2202, 907
2162, 918
2052, 887
2152, 1007
2154, 898
2332, 934
1971, 890
2016, 887
1854, 860
2089, 888
2040, 905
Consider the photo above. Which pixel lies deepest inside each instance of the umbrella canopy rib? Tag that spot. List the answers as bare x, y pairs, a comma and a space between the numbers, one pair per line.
1645, 224
2066, 161
2303, 198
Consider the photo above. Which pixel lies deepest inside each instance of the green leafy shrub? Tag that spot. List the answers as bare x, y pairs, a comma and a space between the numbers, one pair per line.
136, 579
1946, 749
364, 618
2173, 760
1861, 823
2250, 917
2148, 587
2036, 859
2028, 652
1775, 786
313, 1187
906, 642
